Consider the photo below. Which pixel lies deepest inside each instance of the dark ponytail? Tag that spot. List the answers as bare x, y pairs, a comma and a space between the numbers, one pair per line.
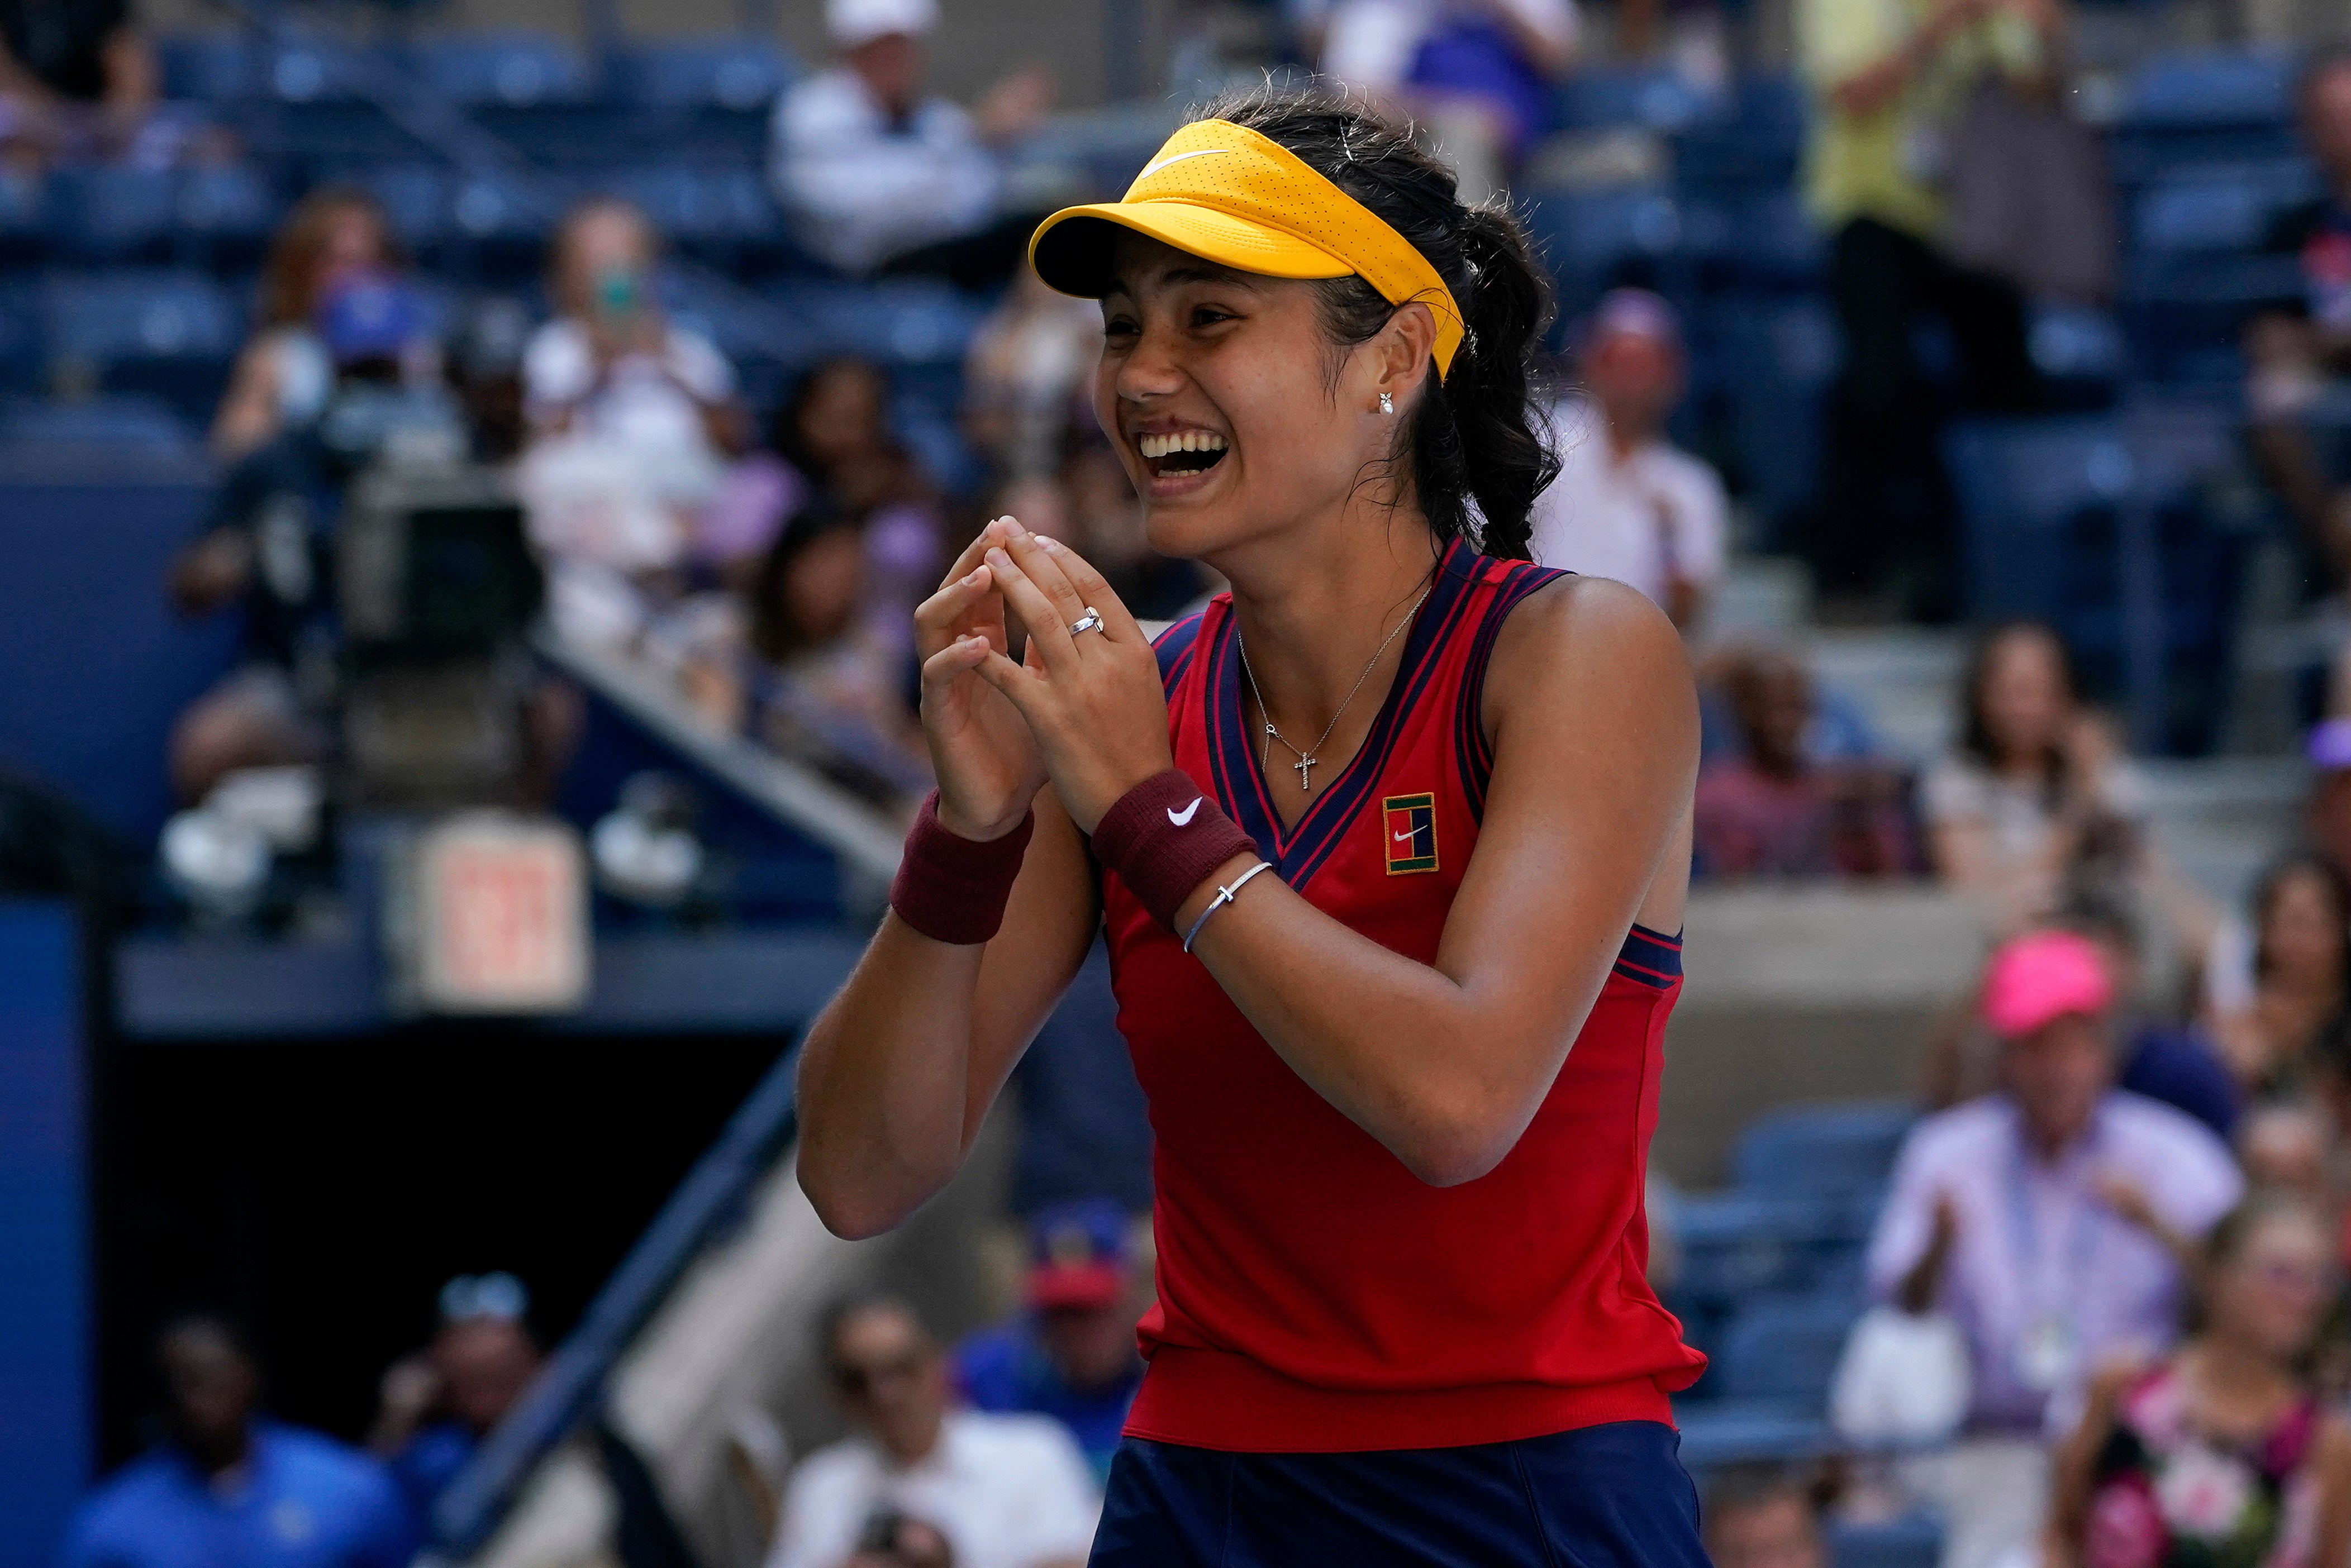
1479, 449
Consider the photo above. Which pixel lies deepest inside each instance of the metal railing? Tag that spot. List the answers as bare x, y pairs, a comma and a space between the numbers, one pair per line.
570, 1389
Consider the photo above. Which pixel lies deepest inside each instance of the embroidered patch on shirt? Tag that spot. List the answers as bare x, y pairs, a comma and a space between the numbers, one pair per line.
1411, 832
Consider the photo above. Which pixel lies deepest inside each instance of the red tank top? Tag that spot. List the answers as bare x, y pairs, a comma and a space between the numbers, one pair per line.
1314, 1295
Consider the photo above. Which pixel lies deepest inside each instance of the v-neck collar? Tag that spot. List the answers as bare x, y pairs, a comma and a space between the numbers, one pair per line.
1240, 783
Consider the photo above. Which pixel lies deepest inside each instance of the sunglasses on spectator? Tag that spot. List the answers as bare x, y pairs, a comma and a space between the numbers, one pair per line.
857, 1379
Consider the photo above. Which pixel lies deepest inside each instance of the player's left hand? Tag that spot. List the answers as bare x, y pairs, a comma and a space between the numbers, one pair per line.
1093, 699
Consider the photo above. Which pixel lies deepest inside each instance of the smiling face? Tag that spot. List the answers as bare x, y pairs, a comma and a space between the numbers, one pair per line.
1233, 413
2271, 1291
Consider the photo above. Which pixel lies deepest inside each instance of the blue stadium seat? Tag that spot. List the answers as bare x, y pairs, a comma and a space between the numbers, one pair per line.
741, 71
24, 216
1719, 1434
1822, 1151
1756, 143
516, 68
1774, 356
1594, 240
700, 208
415, 197
1655, 98
108, 212
143, 423
1912, 1540
2212, 88
228, 210
172, 334
1734, 1245
20, 339
2227, 207
217, 66
1784, 1350
318, 69
898, 321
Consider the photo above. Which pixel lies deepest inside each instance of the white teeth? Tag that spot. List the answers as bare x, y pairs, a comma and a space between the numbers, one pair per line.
1187, 440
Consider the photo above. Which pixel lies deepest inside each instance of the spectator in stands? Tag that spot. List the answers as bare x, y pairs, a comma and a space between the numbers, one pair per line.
1022, 374
817, 676
2301, 975
1628, 504
1004, 1491
1772, 811
2293, 354
1763, 1516
2221, 1450
1477, 73
1889, 79
835, 431
2229, 959
878, 172
2282, 1146
632, 419
1071, 1355
75, 76
2043, 1218
230, 1485
439, 1407
2034, 800
285, 375
2177, 1064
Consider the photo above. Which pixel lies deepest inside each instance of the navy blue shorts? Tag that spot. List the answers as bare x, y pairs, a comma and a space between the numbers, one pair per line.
1614, 1496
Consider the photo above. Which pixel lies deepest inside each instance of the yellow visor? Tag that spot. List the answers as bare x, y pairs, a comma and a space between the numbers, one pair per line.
1223, 192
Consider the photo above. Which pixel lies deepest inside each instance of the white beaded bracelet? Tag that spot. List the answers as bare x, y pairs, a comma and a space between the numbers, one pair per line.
1224, 896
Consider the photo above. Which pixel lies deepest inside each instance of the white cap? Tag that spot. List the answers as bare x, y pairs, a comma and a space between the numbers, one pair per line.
856, 23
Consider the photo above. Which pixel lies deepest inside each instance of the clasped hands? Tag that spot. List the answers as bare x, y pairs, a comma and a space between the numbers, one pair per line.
1085, 712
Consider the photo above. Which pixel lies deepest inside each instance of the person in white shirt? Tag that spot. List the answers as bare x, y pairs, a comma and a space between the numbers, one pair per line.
632, 420
871, 166
1628, 504
999, 1491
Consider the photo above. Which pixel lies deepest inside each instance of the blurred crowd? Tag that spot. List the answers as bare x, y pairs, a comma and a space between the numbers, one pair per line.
990, 1453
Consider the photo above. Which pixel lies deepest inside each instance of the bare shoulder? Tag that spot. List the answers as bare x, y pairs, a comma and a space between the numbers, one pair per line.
1591, 642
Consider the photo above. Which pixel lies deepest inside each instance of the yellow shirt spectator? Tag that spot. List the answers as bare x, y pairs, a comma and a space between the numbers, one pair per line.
1888, 77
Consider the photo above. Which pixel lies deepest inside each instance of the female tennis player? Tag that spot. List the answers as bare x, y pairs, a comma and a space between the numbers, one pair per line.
1385, 844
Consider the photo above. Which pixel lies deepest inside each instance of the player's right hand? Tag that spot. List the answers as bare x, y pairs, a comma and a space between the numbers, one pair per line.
988, 767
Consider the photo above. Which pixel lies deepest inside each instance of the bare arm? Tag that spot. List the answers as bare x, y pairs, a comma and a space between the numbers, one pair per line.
899, 1070
2334, 1461
248, 411
1877, 84
2073, 1465
1595, 733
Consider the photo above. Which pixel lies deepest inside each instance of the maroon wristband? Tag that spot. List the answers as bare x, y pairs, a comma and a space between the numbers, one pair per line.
1163, 838
951, 889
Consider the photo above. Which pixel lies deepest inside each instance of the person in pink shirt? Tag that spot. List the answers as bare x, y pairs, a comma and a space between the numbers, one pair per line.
2046, 1219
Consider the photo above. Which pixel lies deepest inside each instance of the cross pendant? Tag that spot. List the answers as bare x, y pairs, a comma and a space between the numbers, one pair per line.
1305, 776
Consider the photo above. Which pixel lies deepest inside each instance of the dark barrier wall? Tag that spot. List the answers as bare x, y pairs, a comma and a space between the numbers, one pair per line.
44, 1352
94, 665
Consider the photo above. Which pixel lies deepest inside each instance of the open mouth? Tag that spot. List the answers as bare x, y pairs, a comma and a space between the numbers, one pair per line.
1184, 452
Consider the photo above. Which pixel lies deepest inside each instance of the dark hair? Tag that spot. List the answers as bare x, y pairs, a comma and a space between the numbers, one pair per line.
786, 433
2273, 882
776, 633
2225, 1242
289, 275
1975, 734
1480, 454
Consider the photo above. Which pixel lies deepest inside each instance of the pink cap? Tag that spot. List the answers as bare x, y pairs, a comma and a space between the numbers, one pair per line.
2043, 976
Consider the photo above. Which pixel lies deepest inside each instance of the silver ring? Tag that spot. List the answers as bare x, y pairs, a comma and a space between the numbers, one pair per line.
1091, 621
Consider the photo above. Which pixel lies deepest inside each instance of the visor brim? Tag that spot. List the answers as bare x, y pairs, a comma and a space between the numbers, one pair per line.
1071, 249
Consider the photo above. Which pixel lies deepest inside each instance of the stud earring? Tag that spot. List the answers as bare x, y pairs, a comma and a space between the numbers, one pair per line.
1387, 403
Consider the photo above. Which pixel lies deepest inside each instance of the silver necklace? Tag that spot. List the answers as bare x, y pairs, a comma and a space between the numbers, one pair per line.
1307, 761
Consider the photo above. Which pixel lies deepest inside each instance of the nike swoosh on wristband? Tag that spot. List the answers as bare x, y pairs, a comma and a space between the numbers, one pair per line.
1183, 818
1151, 168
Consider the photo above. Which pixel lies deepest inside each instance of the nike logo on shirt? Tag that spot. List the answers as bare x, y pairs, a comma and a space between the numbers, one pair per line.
1183, 818
1151, 168
1407, 837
